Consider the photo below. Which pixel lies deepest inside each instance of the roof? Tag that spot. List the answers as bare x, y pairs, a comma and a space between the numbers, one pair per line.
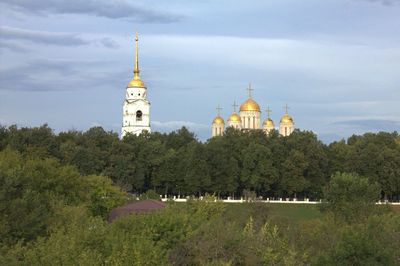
143, 206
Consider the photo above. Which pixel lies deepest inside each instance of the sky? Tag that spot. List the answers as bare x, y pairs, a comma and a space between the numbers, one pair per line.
336, 63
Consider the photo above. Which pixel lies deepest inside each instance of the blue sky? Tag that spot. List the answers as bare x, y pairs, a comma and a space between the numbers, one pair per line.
335, 63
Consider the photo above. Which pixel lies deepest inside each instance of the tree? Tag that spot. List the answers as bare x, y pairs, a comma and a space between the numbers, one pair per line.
350, 197
31, 190
293, 180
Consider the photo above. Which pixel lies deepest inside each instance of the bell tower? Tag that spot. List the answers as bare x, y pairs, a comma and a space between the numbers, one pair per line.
136, 109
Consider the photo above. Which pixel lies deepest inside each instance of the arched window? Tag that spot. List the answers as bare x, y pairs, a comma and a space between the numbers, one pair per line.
286, 131
139, 115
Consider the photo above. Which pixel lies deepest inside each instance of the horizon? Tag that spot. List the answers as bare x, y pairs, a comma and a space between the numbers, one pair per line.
336, 64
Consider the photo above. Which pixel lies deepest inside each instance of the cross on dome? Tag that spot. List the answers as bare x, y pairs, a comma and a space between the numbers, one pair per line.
234, 105
249, 90
268, 111
218, 109
286, 107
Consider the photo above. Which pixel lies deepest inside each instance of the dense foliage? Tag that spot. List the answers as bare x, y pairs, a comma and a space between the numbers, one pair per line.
33, 192
177, 163
55, 196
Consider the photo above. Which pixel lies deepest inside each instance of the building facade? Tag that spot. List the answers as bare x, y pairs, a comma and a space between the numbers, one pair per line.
136, 107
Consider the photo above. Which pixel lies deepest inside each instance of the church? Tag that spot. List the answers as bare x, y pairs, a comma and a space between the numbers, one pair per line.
249, 118
136, 108
136, 111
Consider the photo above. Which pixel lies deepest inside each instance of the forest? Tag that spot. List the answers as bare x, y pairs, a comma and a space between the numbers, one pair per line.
177, 163
56, 191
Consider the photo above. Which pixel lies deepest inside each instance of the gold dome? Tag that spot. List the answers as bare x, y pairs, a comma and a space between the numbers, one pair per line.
234, 118
268, 122
218, 120
136, 82
287, 119
250, 105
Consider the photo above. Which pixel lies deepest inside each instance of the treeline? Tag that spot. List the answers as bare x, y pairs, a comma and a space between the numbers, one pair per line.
178, 164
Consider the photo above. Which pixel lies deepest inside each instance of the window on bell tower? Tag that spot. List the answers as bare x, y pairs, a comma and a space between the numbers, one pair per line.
139, 115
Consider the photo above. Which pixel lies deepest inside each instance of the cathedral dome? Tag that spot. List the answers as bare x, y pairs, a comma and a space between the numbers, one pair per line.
218, 120
234, 118
136, 82
250, 105
287, 119
268, 122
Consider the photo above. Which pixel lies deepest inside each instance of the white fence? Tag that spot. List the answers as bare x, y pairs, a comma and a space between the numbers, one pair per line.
281, 200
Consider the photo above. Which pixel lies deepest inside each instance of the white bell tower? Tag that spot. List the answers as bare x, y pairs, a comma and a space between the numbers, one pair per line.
136, 110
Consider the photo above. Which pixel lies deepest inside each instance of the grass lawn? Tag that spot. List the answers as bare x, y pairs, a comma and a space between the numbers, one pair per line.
296, 212
292, 213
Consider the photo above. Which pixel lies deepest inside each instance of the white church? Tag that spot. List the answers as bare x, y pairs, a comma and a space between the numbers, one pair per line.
249, 118
136, 110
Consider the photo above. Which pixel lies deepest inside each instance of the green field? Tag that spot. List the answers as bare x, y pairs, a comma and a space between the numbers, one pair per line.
279, 213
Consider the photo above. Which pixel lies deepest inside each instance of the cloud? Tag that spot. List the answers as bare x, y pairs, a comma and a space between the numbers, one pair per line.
109, 43
42, 37
50, 38
384, 2
371, 124
12, 47
55, 75
115, 9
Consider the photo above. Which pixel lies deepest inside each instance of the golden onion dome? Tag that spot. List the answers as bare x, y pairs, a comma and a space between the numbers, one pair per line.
250, 105
268, 122
218, 120
234, 118
287, 119
136, 82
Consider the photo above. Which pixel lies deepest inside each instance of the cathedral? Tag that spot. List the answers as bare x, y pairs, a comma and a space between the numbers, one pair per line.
249, 118
136, 109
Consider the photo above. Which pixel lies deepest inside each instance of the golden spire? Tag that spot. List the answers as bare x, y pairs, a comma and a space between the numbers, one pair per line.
136, 81
136, 69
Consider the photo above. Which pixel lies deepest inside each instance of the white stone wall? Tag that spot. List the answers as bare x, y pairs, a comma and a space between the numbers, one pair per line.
250, 119
217, 129
268, 129
235, 124
135, 100
285, 129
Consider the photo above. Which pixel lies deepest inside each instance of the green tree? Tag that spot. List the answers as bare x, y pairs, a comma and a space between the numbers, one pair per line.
32, 189
350, 197
293, 171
